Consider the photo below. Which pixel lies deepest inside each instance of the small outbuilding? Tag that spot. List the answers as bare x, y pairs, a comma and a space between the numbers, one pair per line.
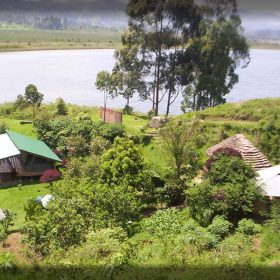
22, 156
110, 116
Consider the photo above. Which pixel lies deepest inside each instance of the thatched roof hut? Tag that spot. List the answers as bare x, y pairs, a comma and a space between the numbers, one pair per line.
247, 150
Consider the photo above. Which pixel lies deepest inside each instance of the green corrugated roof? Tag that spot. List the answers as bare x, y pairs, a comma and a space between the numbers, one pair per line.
32, 146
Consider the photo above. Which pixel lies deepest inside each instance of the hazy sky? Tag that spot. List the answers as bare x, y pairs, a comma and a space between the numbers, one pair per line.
247, 5
73, 5
256, 14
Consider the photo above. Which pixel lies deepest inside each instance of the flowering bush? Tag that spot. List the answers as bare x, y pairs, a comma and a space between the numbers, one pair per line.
50, 176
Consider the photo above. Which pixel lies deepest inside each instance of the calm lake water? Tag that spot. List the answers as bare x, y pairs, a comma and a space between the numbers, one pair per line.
71, 75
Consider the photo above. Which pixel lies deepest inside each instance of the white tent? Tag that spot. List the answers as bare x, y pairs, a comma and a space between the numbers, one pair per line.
269, 179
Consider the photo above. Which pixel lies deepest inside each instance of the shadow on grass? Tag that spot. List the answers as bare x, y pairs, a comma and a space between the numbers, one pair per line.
129, 272
143, 117
16, 184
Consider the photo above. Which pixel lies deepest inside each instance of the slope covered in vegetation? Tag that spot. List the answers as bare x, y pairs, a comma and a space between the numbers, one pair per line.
132, 204
258, 119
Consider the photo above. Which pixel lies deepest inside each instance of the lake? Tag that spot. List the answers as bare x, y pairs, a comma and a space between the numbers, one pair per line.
71, 74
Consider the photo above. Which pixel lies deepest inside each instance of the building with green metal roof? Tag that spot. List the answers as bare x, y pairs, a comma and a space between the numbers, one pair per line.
22, 156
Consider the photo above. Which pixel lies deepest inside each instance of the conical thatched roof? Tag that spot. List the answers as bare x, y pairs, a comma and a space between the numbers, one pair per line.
248, 151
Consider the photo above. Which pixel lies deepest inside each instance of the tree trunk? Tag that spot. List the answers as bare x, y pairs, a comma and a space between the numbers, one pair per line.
171, 86
105, 105
158, 71
194, 102
168, 102
157, 83
154, 87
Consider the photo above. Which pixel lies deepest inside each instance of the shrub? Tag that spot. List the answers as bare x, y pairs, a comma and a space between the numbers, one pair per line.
128, 110
179, 145
151, 113
169, 221
3, 127
229, 169
199, 236
104, 247
228, 189
76, 146
124, 164
65, 222
112, 131
220, 227
124, 182
61, 107
50, 176
56, 132
225, 151
248, 227
235, 250
99, 145
6, 261
107, 241
270, 246
83, 168
5, 224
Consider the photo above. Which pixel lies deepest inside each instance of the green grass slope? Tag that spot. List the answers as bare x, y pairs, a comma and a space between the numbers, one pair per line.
258, 120
14, 198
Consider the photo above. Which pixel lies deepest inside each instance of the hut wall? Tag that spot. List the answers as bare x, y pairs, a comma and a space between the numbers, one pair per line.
31, 165
110, 116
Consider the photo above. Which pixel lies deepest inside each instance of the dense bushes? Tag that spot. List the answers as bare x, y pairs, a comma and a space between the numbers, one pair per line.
3, 127
220, 227
64, 222
228, 189
108, 185
7, 261
229, 169
179, 143
108, 131
50, 176
5, 223
164, 222
248, 227
125, 181
178, 225
73, 136
270, 246
198, 236
103, 190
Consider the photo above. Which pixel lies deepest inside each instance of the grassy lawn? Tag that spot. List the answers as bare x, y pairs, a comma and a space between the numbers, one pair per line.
14, 125
14, 198
135, 123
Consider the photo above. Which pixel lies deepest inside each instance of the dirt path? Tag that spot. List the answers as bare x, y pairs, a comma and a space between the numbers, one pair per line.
14, 246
